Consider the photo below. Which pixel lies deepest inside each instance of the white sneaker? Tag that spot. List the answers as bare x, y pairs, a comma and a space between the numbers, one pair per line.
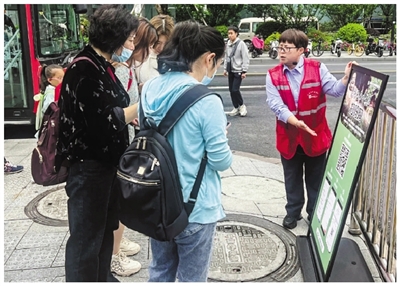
124, 266
234, 112
242, 110
129, 247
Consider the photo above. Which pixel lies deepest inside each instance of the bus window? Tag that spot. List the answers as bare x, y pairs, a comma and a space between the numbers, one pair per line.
14, 89
58, 29
35, 35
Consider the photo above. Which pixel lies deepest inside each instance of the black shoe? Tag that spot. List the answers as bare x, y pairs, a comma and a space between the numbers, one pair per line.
309, 218
290, 222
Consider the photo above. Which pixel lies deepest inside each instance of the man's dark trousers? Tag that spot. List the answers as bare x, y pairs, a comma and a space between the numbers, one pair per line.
234, 81
294, 184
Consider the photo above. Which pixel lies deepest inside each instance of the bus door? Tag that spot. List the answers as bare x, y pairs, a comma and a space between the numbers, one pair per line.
16, 90
35, 35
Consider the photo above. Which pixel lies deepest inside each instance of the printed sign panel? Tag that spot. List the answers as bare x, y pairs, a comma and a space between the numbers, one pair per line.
350, 142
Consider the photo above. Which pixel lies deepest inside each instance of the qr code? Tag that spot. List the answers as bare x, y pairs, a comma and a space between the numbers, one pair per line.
356, 112
342, 161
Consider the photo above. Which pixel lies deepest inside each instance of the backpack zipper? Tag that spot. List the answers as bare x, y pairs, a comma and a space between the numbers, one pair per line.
136, 181
155, 163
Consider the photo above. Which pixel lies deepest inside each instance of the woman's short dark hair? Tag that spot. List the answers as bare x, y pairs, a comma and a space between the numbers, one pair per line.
110, 26
294, 36
189, 40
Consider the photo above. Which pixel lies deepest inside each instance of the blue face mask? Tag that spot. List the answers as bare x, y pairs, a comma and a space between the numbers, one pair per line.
125, 55
206, 80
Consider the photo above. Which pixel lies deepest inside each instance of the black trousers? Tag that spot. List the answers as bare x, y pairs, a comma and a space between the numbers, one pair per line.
293, 169
92, 218
234, 81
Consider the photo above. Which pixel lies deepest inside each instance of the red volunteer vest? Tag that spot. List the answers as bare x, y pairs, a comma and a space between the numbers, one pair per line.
311, 109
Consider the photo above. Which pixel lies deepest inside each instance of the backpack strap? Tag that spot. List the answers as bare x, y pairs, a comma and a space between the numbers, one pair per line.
189, 206
83, 58
181, 105
176, 111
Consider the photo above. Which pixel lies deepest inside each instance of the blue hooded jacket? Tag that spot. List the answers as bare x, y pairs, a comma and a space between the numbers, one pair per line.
201, 128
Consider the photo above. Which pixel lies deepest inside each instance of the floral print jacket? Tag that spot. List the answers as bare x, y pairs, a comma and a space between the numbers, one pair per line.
92, 122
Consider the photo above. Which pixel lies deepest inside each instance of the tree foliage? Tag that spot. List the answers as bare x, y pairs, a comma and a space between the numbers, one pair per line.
341, 14
299, 16
389, 13
261, 11
270, 27
211, 14
221, 14
367, 13
195, 12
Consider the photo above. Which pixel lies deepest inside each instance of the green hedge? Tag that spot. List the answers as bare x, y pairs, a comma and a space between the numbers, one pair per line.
352, 33
223, 30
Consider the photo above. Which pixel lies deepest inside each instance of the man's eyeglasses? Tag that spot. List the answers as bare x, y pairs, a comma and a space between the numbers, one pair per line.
285, 49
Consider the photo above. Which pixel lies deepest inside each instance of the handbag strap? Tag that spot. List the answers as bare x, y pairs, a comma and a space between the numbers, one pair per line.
234, 48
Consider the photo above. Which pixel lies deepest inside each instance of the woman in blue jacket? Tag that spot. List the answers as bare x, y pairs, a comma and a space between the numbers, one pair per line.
191, 56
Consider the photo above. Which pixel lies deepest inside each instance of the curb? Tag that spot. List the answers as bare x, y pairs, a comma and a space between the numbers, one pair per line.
271, 160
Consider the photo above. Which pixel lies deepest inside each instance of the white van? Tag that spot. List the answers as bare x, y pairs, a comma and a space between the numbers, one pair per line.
248, 26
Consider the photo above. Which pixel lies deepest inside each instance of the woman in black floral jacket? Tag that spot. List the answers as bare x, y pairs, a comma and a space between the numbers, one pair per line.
93, 136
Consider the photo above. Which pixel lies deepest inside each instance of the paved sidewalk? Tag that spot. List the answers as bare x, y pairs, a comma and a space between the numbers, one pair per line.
34, 251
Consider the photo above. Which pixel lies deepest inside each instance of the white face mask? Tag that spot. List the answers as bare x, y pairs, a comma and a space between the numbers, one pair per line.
206, 80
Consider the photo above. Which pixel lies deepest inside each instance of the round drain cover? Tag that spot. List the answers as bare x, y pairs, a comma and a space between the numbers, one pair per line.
248, 248
49, 208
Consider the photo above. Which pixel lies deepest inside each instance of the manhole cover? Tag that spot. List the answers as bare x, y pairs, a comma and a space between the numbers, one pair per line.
248, 248
49, 208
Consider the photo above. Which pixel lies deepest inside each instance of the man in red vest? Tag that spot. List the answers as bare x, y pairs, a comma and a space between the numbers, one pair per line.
296, 90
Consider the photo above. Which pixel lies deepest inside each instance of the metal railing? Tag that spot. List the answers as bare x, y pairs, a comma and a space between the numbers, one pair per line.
374, 201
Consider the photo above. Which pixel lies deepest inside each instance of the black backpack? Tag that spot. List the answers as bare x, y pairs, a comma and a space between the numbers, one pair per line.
151, 200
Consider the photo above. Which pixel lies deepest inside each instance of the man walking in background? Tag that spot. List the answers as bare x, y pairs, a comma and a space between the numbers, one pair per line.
236, 64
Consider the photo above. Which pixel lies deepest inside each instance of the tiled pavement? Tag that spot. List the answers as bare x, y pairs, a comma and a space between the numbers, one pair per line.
34, 252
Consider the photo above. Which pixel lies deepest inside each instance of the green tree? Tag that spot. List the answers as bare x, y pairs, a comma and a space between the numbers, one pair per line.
223, 14
367, 13
299, 16
389, 13
195, 12
261, 11
270, 27
211, 14
341, 14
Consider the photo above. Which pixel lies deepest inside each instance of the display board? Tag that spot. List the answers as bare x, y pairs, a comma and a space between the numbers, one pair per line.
353, 130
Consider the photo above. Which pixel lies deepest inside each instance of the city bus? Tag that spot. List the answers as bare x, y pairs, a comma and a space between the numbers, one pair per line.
35, 34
